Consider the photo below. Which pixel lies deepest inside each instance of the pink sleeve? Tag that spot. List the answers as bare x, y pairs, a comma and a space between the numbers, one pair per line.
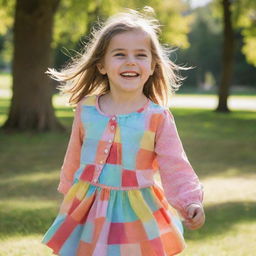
72, 157
180, 183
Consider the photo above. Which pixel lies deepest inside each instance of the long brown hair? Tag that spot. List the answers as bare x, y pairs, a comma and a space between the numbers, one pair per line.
81, 76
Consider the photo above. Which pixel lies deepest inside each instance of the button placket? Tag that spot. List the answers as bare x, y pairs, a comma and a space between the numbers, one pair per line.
97, 173
112, 123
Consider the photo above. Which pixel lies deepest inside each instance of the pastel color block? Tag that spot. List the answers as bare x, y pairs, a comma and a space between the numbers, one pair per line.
94, 127
130, 151
154, 121
82, 190
90, 146
100, 249
172, 243
129, 178
68, 199
71, 244
117, 137
135, 231
62, 234
74, 205
151, 229
98, 224
137, 123
157, 246
102, 145
144, 177
124, 212
81, 212
117, 234
114, 250
55, 226
161, 219
88, 173
104, 195
111, 175
87, 232
148, 141
150, 200
160, 196
139, 205
115, 154
146, 249
101, 209
144, 159
84, 249
130, 249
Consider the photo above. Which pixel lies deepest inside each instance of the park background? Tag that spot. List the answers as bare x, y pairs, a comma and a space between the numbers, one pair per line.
214, 112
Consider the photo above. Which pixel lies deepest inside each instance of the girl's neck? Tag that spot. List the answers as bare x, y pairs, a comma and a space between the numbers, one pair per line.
118, 104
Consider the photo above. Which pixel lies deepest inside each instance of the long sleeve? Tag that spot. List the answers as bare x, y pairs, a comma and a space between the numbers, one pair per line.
72, 157
180, 182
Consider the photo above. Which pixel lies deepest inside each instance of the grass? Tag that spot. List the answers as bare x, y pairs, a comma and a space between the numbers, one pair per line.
221, 148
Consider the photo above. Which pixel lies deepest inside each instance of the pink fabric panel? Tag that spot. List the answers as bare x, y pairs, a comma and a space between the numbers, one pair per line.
179, 180
72, 157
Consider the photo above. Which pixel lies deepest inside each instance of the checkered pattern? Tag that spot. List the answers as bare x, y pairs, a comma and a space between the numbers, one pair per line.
107, 222
112, 206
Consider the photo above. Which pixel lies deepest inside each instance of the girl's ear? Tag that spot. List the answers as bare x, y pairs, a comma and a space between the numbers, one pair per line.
101, 69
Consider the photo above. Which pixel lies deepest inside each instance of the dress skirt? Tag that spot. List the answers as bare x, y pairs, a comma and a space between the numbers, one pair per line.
99, 221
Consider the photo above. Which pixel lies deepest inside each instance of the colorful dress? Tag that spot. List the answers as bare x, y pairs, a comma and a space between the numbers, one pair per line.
112, 205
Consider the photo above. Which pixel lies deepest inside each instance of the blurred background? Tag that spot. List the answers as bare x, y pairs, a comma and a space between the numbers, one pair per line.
214, 109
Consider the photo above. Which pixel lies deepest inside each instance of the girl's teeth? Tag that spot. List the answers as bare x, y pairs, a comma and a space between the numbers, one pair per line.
129, 74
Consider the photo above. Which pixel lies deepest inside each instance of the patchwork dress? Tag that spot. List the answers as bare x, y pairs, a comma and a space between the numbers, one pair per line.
112, 203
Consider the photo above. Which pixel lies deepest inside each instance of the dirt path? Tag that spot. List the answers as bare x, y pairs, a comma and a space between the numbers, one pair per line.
234, 102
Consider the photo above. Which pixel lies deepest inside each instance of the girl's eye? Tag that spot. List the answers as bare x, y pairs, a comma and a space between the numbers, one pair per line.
119, 54
142, 55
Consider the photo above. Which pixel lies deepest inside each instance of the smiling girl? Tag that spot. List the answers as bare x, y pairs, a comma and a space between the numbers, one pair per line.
122, 135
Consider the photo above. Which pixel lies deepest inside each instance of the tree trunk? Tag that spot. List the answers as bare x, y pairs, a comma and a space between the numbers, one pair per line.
227, 59
31, 105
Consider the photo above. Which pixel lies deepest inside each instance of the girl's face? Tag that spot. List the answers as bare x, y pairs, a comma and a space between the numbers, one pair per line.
128, 61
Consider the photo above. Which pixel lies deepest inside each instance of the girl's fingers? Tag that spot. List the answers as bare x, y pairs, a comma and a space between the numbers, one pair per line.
192, 212
195, 217
198, 216
195, 222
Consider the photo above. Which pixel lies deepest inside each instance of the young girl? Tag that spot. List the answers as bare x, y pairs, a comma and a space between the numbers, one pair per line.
121, 136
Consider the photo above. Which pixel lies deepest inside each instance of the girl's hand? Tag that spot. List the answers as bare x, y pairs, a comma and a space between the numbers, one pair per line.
195, 217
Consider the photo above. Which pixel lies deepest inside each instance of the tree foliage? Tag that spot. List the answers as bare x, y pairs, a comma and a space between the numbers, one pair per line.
6, 15
244, 19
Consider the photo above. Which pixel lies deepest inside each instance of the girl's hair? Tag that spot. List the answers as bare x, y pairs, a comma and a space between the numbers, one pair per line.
81, 76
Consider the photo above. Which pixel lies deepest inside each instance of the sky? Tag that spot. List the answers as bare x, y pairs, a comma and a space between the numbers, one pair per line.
197, 3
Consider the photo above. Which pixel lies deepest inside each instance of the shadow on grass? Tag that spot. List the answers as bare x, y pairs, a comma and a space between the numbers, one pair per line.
218, 143
26, 221
221, 218
43, 189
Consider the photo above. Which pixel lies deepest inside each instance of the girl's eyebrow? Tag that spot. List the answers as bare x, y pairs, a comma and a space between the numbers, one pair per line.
122, 49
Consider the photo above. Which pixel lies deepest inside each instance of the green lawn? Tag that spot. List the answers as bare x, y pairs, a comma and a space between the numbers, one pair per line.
221, 148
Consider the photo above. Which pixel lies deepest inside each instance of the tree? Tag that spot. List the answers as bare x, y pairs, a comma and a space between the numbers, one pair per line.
227, 57
236, 15
31, 106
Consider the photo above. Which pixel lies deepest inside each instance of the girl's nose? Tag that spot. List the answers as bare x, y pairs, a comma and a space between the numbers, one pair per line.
130, 61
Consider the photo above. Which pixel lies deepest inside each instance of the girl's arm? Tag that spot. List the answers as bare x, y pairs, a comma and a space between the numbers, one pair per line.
180, 183
72, 157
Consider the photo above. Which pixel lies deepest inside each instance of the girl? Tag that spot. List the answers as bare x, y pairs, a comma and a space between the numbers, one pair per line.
121, 136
